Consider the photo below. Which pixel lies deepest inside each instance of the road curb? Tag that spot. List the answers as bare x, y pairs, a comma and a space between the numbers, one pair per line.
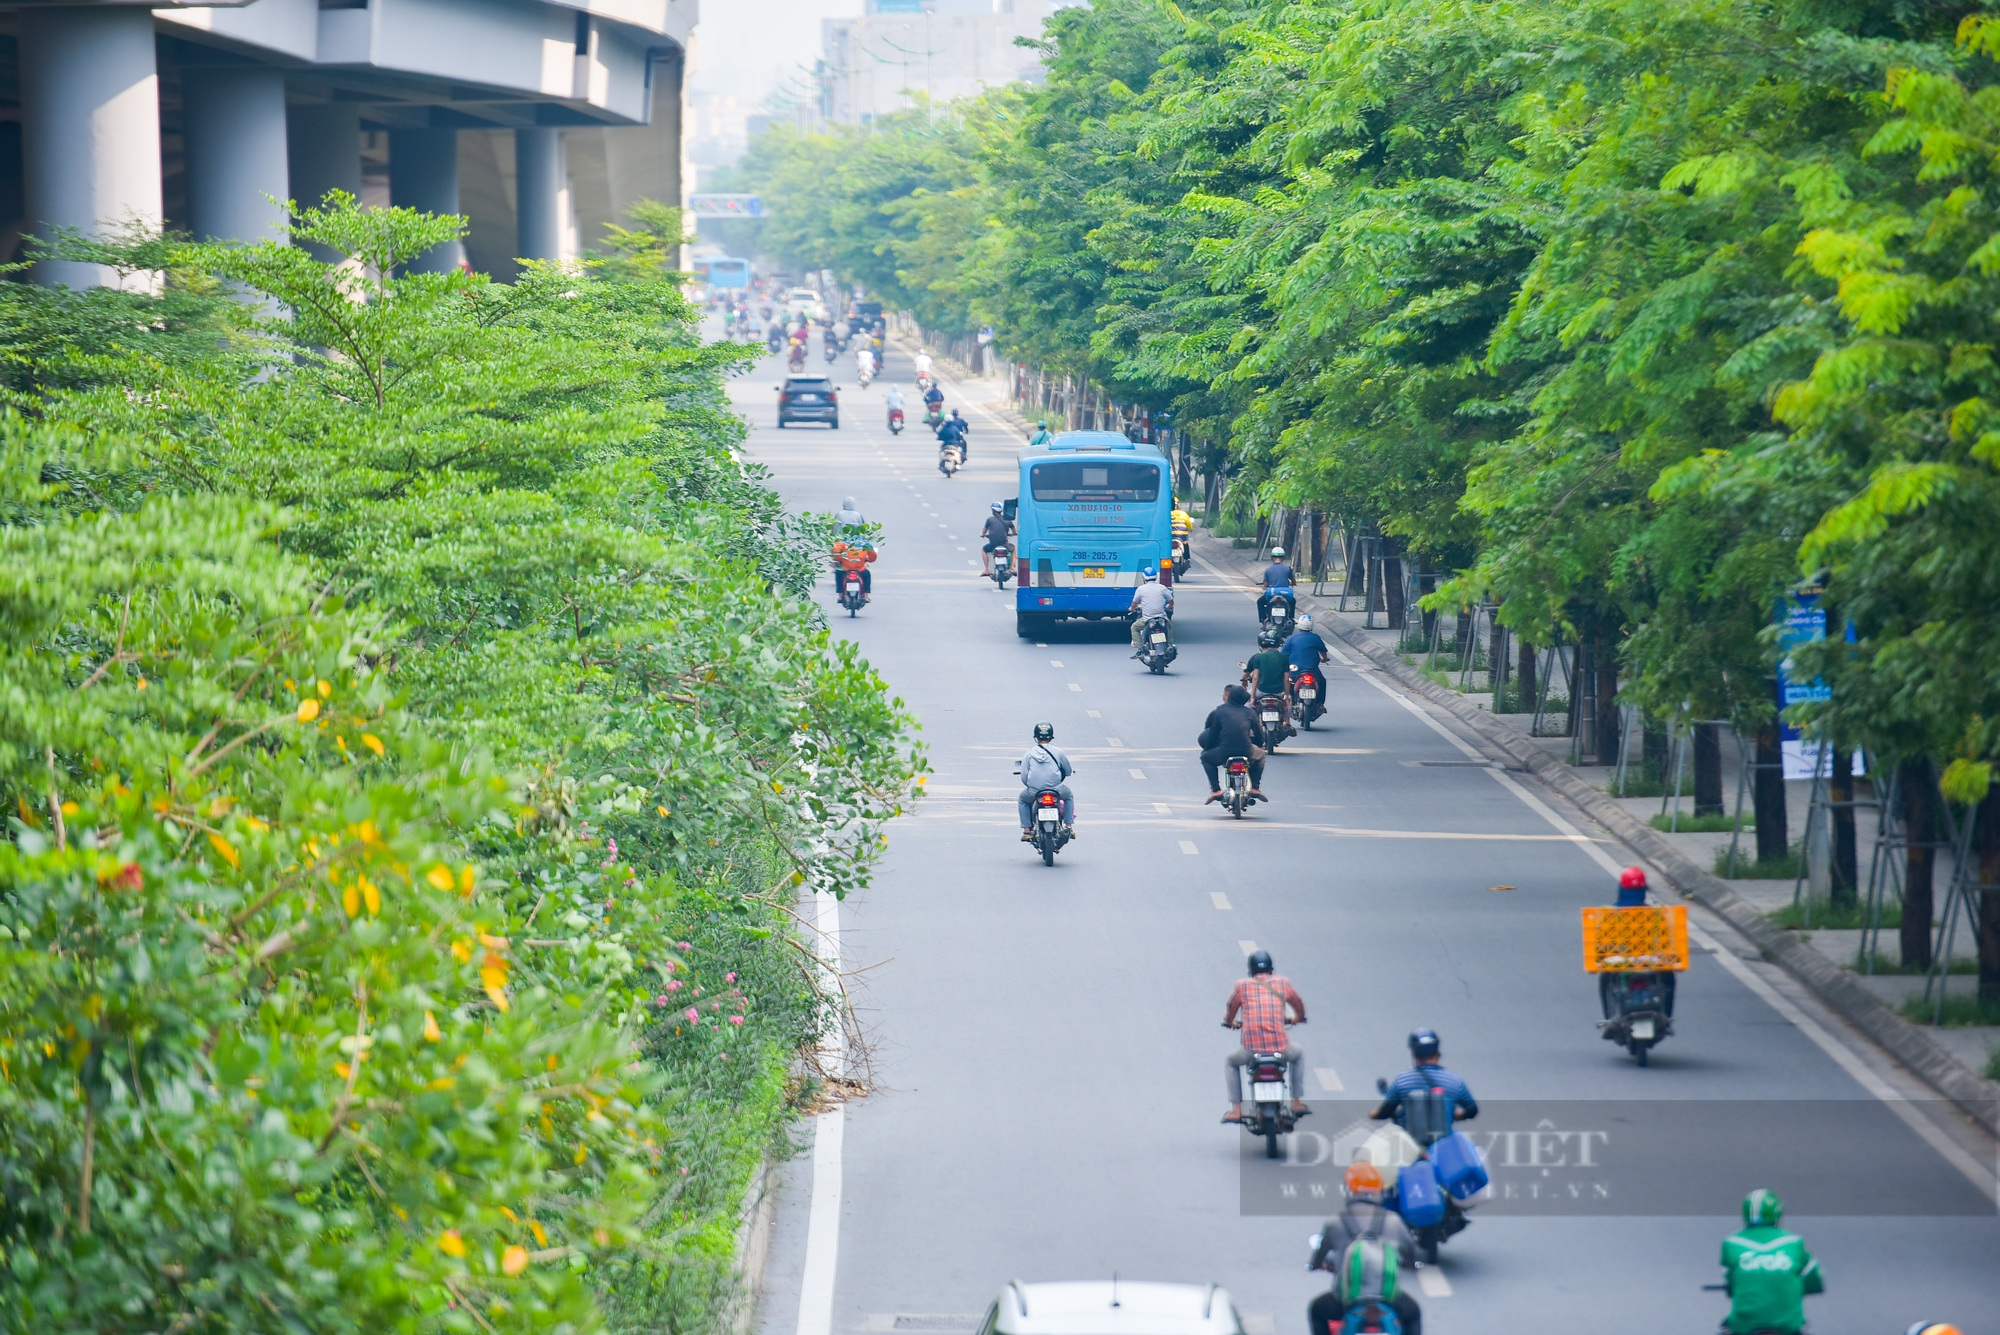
1975, 1096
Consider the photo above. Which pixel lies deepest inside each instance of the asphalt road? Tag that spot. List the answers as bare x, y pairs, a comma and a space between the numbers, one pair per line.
1043, 1044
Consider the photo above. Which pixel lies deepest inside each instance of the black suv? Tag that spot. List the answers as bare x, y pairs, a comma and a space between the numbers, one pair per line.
808, 398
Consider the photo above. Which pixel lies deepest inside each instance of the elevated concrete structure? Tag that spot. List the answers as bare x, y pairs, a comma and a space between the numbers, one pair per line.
539, 119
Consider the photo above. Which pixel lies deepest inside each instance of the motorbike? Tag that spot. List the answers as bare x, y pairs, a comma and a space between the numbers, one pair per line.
1180, 556
895, 421
851, 596
797, 360
832, 351
1306, 702
1638, 1005
1423, 1196
1278, 614
949, 460
866, 375
934, 418
775, 343
1050, 834
1236, 797
1155, 648
1003, 566
1266, 1095
924, 382
1276, 718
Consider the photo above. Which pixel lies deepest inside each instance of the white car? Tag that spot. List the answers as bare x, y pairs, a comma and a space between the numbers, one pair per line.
802, 301
1112, 1307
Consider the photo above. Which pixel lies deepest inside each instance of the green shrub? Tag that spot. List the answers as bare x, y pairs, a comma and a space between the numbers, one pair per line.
1961, 1010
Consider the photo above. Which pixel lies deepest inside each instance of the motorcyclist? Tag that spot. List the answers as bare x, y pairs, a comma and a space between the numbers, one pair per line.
774, 338
955, 430
923, 363
851, 526
1632, 892
1363, 1215
1306, 651
1766, 1271
864, 362
1231, 729
1269, 667
1045, 766
1427, 1073
996, 532
1367, 1270
1042, 434
894, 398
1277, 577
1151, 599
1262, 1005
934, 399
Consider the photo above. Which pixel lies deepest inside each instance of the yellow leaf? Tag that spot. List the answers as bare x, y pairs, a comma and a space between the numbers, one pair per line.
541, 1235
350, 899
461, 951
325, 689
450, 1243
308, 710
70, 808
442, 1082
512, 1217
372, 742
661, 810
439, 877
431, 1030
466, 875
257, 825
342, 1070
224, 849
580, 1155
551, 1063
142, 683
370, 895
514, 1260
493, 977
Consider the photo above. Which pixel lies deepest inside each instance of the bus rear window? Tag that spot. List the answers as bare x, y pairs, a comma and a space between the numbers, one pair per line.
1094, 480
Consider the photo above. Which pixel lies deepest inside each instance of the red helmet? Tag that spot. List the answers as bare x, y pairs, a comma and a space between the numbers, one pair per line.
1632, 878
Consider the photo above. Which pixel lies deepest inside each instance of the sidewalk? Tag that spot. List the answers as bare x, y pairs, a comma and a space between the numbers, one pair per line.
1952, 1060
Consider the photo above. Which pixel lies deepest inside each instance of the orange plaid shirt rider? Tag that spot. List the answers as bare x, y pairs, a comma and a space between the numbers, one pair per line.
1262, 1002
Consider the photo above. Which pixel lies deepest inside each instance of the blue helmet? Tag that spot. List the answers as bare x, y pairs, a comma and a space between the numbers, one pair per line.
1151, 572
1424, 1044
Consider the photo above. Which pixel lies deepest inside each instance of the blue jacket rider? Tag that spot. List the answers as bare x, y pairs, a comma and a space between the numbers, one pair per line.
1277, 579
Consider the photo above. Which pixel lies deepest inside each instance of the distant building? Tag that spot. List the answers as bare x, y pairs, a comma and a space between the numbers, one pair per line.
900, 53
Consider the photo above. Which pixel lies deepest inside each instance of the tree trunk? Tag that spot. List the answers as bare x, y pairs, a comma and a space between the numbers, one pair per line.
1918, 789
1392, 584
1844, 889
1610, 719
1582, 725
1774, 839
1496, 660
1986, 905
1524, 679
1707, 769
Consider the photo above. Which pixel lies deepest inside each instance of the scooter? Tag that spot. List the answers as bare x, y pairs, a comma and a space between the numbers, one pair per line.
1236, 797
866, 375
949, 460
1050, 834
895, 421
832, 351
1448, 1170
1003, 566
851, 596
934, 418
1265, 1091
1155, 647
1275, 716
1638, 1004
1278, 613
1306, 702
1180, 557
797, 360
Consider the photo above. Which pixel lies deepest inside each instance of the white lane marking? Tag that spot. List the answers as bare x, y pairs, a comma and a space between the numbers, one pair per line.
1980, 1175
1329, 1080
1160, 807
1215, 897
1092, 713
1140, 774
1055, 662
942, 526
961, 549
1396, 694
1260, 1323
1113, 741
1187, 846
829, 1128
1247, 947
1339, 657
1432, 1281
1040, 645
951, 537
1074, 687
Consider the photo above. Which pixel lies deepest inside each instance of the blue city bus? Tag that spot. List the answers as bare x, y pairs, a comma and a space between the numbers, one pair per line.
1095, 510
723, 272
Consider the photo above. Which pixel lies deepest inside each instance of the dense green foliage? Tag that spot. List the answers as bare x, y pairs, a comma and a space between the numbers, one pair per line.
413, 739
1631, 316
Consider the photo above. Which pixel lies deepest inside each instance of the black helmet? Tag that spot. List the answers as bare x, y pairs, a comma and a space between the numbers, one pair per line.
1045, 732
1260, 962
1267, 639
1424, 1043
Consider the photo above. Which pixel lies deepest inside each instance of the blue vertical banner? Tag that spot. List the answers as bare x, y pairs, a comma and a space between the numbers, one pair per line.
1801, 620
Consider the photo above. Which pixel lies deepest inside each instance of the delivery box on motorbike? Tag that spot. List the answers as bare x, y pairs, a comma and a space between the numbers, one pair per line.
1419, 1198
1650, 938
1460, 1169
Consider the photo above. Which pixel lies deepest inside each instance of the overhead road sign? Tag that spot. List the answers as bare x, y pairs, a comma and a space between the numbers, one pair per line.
726, 206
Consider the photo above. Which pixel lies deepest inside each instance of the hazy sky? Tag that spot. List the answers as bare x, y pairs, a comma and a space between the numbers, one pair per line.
748, 46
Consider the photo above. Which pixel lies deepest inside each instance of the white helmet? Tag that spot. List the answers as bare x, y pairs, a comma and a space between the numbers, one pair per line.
1277, 553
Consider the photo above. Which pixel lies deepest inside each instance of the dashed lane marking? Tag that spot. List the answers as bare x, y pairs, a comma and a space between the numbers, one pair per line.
1187, 846
1113, 741
1217, 898
1075, 687
1432, 1281
1140, 774
1329, 1080
1055, 662
1246, 947
1161, 807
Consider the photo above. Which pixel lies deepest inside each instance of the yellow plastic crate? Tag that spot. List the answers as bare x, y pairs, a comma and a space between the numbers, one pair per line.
1649, 939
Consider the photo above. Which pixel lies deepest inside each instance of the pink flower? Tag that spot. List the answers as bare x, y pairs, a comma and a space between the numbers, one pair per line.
715, 1005
729, 977
660, 1000
736, 1019
686, 945
672, 965
694, 1015
674, 985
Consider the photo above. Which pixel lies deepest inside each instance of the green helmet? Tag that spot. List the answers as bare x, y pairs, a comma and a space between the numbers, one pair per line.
1762, 1209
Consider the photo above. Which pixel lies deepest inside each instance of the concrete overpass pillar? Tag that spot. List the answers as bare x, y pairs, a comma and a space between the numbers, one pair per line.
541, 192
237, 159
90, 111
324, 147
423, 174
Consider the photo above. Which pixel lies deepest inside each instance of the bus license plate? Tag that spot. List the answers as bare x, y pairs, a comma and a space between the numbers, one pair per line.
1091, 572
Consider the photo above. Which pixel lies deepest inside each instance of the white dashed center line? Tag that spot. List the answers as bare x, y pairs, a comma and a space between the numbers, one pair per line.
1215, 897
1187, 847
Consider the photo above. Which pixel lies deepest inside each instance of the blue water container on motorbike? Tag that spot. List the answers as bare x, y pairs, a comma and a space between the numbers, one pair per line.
1460, 1170
1419, 1198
